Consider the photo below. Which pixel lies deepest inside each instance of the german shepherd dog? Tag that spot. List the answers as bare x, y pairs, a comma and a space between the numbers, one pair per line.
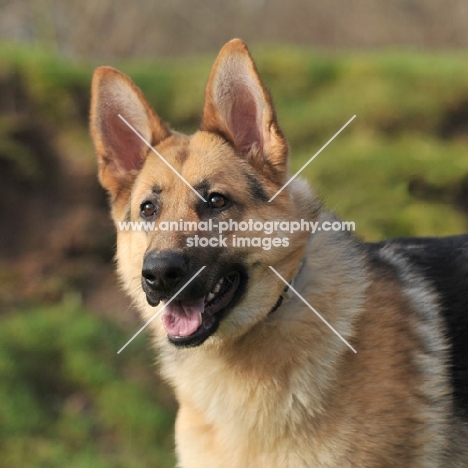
261, 381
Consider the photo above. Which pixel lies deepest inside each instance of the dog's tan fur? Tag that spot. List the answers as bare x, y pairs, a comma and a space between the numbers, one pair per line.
280, 389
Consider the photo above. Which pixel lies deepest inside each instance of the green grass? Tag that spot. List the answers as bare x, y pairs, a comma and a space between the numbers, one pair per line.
355, 167
68, 399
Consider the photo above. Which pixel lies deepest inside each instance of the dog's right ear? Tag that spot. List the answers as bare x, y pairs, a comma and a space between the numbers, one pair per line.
120, 151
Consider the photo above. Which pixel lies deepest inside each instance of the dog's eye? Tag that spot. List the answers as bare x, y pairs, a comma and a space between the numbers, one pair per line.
147, 209
216, 200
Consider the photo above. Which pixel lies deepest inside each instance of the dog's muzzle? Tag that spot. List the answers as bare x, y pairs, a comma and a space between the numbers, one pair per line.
194, 314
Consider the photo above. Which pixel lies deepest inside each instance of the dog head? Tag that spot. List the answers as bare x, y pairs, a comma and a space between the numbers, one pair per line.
226, 172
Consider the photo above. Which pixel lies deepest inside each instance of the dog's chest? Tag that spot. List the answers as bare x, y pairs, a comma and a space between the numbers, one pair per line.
230, 419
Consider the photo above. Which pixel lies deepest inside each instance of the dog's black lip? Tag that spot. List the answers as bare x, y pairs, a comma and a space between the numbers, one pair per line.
204, 332
151, 301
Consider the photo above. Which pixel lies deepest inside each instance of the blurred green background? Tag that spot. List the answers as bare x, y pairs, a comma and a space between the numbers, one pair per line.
399, 169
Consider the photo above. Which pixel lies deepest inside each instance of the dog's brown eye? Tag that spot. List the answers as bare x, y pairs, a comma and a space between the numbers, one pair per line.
148, 209
216, 200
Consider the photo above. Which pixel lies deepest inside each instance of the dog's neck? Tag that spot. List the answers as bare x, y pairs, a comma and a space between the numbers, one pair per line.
285, 294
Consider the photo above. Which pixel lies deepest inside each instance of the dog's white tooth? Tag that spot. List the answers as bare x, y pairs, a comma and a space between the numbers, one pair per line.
209, 297
218, 286
200, 318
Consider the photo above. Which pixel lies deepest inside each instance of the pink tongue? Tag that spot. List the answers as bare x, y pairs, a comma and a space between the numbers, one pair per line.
182, 318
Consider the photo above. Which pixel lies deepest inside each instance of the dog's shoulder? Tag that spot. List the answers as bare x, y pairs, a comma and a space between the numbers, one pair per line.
442, 265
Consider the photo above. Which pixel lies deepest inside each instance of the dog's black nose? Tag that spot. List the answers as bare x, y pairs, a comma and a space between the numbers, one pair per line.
163, 271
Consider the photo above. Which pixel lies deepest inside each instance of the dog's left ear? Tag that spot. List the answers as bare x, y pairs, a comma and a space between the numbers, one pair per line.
238, 106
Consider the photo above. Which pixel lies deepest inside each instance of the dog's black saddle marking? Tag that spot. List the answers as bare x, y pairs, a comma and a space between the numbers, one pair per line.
443, 262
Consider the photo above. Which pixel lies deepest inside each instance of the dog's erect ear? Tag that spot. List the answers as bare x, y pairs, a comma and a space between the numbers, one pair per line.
238, 106
120, 151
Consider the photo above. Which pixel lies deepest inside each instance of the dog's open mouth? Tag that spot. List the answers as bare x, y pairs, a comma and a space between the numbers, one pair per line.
189, 322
